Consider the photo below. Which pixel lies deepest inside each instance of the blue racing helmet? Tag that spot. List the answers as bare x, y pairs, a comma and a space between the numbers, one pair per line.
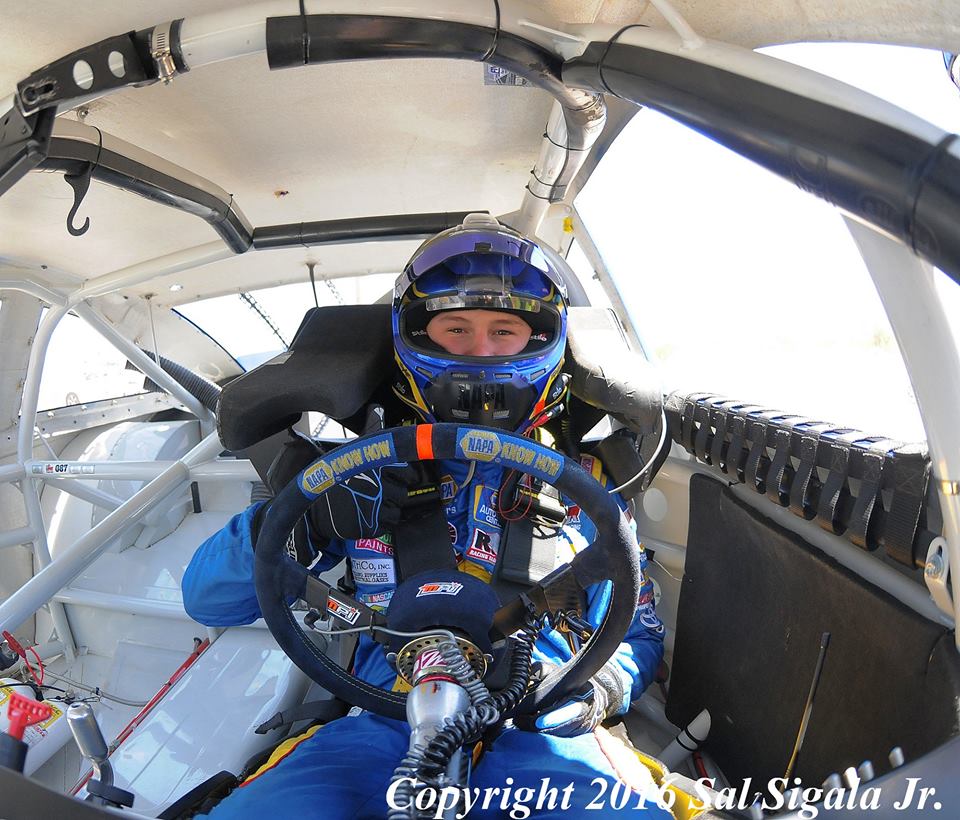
480, 265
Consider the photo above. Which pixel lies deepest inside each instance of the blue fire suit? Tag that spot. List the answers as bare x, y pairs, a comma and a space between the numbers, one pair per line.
218, 590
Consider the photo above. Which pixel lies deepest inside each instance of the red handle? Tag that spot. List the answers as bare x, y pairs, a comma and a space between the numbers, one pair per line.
24, 712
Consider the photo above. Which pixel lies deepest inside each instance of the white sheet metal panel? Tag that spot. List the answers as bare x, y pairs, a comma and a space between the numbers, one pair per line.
205, 724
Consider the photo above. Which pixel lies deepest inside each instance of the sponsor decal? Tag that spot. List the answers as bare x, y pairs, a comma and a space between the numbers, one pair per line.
649, 618
453, 532
317, 478
381, 545
376, 600
440, 588
374, 570
448, 488
374, 453
343, 611
479, 445
485, 506
427, 659
291, 545
573, 514
483, 548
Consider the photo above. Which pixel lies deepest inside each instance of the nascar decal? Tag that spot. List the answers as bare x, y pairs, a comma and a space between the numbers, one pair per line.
479, 445
483, 547
374, 570
343, 611
376, 452
440, 588
485, 506
376, 600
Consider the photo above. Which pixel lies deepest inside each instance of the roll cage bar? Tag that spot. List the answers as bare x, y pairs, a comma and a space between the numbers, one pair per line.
899, 181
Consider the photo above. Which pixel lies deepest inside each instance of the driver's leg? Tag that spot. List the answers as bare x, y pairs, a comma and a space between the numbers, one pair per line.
342, 771
562, 777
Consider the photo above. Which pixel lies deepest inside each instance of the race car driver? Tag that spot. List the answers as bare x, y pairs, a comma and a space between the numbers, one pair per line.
475, 297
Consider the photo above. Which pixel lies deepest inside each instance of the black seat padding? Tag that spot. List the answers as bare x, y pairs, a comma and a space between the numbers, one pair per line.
607, 374
337, 359
754, 601
341, 354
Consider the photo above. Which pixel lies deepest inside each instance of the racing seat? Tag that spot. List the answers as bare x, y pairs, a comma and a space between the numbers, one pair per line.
341, 358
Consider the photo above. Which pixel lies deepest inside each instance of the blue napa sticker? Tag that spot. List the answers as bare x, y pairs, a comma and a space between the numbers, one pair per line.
373, 452
483, 445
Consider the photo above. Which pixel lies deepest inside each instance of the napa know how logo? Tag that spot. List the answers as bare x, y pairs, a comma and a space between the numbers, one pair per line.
374, 452
483, 445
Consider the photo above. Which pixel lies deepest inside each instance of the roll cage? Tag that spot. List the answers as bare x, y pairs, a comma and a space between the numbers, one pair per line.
898, 183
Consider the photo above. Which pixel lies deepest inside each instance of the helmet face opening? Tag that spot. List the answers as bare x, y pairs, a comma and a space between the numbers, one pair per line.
469, 269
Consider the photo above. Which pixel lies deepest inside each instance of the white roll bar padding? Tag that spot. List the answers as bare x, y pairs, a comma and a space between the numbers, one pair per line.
907, 289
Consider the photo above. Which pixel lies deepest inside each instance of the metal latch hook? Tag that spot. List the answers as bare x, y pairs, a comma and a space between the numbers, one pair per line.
80, 184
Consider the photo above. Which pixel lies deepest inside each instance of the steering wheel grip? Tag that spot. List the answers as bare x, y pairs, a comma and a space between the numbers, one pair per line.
613, 555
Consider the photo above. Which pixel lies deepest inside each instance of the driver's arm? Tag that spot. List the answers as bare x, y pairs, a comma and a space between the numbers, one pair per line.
218, 588
638, 656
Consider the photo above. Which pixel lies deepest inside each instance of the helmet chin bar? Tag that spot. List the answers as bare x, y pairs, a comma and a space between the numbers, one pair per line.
613, 556
475, 398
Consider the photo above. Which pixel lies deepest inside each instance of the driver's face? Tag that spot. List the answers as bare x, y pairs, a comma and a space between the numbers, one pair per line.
479, 332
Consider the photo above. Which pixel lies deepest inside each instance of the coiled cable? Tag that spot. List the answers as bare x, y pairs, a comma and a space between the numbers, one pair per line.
457, 665
423, 766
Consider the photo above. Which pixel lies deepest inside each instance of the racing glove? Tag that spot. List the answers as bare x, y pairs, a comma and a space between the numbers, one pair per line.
364, 506
606, 694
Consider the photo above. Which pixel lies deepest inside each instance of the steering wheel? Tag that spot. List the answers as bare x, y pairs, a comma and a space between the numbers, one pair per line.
613, 556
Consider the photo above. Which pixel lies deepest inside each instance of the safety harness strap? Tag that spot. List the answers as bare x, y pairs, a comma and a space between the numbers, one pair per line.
421, 541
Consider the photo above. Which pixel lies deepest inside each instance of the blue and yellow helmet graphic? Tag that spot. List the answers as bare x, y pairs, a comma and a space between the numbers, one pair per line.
481, 265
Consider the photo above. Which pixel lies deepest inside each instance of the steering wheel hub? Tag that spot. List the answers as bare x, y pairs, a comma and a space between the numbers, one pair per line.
421, 656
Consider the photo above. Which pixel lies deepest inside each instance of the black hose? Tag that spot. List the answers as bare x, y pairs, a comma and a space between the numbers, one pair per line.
423, 766
203, 390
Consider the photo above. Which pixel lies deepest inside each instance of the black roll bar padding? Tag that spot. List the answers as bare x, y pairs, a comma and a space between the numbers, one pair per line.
340, 37
612, 556
203, 390
24, 142
808, 466
73, 155
330, 38
892, 179
360, 229
335, 38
